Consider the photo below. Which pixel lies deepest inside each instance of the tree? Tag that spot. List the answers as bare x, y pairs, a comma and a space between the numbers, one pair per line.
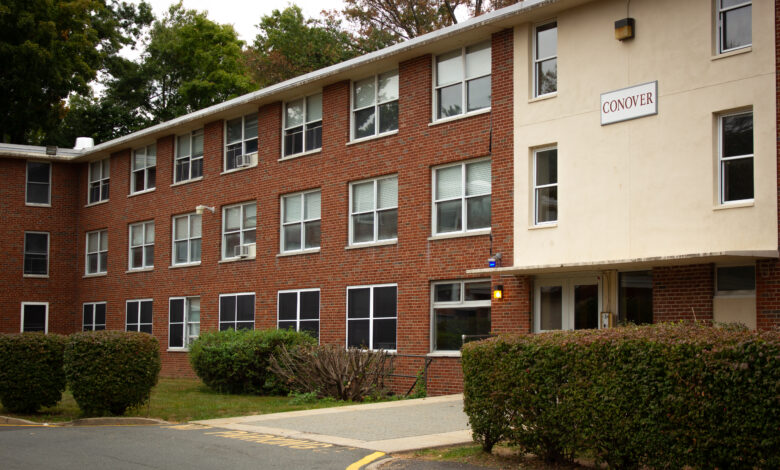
52, 48
289, 45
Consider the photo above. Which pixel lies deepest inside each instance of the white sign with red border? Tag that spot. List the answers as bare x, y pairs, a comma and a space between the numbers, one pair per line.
629, 103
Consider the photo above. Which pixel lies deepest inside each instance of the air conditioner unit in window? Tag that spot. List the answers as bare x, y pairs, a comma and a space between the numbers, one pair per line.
241, 161
245, 251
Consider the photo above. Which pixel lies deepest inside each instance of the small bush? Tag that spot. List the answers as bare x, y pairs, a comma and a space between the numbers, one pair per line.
331, 371
237, 361
670, 395
111, 371
31, 374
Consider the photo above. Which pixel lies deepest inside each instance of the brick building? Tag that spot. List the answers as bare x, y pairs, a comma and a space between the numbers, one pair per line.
619, 180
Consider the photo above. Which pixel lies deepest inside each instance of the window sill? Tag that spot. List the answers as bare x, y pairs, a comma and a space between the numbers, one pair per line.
371, 137
139, 270
543, 226
369, 245
36, 276
446, 236
736, 295
443, 354
734, 205
90, 204
183, 265
179, 350
459, 117
236, 170
299, 252
145, 191
235, 260
35, 204
548, 96
183, 182
299, 155
95, 275
742, 50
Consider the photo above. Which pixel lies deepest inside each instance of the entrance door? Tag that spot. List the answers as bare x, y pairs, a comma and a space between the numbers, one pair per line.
571, 303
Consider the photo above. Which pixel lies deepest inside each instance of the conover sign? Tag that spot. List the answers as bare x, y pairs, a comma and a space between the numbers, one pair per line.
629, 103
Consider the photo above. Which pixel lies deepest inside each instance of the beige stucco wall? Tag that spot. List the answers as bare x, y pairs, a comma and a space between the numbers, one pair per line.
646, 187
737, 309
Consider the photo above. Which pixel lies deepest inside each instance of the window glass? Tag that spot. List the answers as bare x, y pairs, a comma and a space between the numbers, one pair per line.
139, 316
546, 59
34, 317
458, 201
635, 297
460, 308
478, 60
388, 87
449, 68
546, 186
236, 311
374, 210
371, 317
736, 157
448, 182
735, 24
300, 311
98, 181
186, 239
301, 221
238, 228
736, 278
551, 307
97, 252
36, 253
142, 245
364, 93
38, 184
469, 67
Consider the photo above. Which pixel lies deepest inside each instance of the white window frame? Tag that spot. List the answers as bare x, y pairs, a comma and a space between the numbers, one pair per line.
189, 157
302, 222
719, 16
101, 233
25, 253
146, 170
46, 321
243, 142
139, 324
240, 231
721, 160
236, 322
537, 60
373, 211
189, 239
101, 181
371, 317
463, 198
298, 308
305, 125
28, 183
376, 104
456, 304
537, 187
145, 264
464, 100
187, 339
93, 323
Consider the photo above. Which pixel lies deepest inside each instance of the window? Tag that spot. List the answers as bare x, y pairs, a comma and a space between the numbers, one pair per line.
299, 310
734, 24
374, 215
463, 81
375, 105
733, 280
372, 317
189, 156
635, 297
139, 315
241, 141
36, 253
98, 181
301, 221
183, 321
186, 239
38, 183
35, 317
97, 252
142, 245
546, 59
462, 197
238, 228
94, 317
736, 157
303, 125
545, 186
237, 311
460, 308
144, 170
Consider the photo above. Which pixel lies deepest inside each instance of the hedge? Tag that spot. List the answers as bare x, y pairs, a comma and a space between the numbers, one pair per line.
669, 395
31, 374
237, 361
111, 371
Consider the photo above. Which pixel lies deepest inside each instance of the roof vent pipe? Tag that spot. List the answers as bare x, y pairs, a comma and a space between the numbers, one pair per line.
84, 143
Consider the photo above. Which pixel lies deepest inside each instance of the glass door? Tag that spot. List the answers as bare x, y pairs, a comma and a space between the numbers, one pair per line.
571, 303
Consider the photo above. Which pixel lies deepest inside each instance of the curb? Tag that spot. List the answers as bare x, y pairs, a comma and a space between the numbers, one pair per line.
109, 421
379, 463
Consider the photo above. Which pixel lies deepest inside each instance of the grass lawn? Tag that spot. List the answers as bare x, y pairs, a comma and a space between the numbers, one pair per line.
181, 400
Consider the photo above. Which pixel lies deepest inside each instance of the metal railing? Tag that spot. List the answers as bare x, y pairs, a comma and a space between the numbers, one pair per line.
426, 362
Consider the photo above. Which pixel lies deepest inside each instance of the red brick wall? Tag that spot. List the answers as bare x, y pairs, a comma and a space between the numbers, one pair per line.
683, 293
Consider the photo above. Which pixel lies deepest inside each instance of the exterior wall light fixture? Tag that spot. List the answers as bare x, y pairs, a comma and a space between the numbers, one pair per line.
624, 29
199, 209
498, 292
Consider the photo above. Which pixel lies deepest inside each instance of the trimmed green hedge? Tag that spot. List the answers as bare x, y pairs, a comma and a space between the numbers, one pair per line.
669, 395
111, 371
237, 361
31, 374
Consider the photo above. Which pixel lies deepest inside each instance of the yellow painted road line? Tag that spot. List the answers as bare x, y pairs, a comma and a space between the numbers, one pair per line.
365, 460
270, 439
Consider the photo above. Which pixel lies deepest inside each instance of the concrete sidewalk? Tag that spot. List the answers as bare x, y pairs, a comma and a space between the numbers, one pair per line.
386, 427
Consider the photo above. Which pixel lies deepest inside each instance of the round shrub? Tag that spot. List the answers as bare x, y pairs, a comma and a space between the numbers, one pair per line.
237, 361
110, 371
31, 374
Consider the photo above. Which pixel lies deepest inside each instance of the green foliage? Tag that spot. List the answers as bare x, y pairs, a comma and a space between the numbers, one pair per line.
237, 361
111, 371
669, 395
420, 387
31, 374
